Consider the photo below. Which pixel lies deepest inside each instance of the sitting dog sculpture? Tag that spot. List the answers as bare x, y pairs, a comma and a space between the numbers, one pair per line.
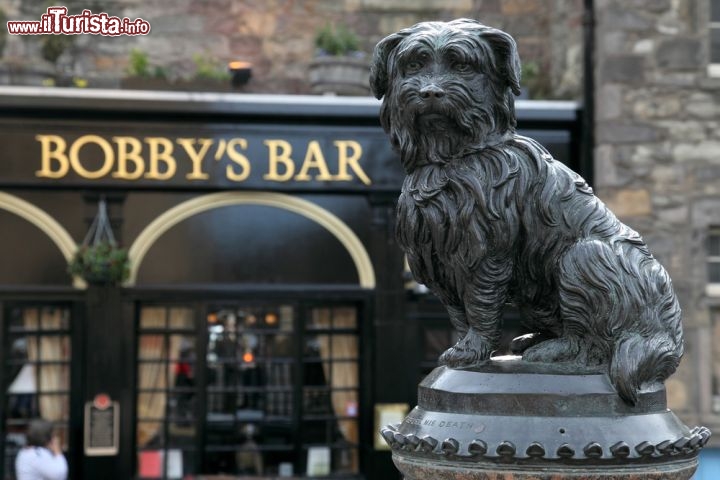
487, 216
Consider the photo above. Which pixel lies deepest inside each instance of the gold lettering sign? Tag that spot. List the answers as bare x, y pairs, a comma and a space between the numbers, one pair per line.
158, 158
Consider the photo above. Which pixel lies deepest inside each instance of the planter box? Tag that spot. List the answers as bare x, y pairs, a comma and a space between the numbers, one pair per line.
191, 85
340, 76
202, 85
141, 83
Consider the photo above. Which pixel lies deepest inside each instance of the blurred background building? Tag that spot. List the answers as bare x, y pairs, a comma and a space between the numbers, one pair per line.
267, 326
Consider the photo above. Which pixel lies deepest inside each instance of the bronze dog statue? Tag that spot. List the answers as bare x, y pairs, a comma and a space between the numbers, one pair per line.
487, 216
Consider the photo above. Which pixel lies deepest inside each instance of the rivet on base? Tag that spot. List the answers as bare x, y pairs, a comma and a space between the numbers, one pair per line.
645, 449
506, 449
565, 451
477, 448
593, 450
535, 450
450, 446
427, 444
620, 450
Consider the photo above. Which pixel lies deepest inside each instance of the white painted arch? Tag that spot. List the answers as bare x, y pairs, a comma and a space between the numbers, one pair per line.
48, 225
22, 208
315, 213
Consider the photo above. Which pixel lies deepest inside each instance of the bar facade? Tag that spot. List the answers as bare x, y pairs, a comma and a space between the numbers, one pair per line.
268, 325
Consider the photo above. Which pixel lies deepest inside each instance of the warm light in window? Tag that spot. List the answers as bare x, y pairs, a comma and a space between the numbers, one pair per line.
248, 357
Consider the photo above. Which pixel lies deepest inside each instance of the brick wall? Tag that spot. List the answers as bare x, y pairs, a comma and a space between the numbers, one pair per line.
277, 36
657, 158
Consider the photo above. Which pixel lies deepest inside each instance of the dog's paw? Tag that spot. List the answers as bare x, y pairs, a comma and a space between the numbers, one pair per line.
554, 350
519, 344
470, 350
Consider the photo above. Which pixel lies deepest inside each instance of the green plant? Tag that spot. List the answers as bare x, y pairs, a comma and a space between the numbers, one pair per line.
336, 41
533, 79
54, 45
102, 263
3, 31
139, 66
209, 68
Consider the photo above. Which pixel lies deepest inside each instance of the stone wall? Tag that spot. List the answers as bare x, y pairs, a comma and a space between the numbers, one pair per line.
277, 36
657, 158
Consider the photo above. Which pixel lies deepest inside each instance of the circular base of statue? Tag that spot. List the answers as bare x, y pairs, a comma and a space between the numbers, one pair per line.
421, 470
511, 419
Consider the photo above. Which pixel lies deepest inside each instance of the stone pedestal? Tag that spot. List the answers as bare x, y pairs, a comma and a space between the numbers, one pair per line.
513, 420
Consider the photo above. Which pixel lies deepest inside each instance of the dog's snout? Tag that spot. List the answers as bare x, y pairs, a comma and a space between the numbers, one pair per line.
432, 91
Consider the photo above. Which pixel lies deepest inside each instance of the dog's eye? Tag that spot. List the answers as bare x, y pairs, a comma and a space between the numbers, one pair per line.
414, 66
462, 67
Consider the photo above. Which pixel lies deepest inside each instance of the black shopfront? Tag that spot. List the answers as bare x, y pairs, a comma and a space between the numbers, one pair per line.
267, 324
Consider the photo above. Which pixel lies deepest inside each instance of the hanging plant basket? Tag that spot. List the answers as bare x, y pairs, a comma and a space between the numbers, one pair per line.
99, 260
100, 264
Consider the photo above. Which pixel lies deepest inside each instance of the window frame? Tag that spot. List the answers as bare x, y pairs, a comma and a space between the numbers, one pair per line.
712, 289
713, 68
73, 364
303, 304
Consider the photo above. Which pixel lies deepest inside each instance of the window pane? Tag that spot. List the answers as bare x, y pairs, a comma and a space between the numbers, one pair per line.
350, 432
181, 318
151, 405
321, 432
715, 10
25, 319
715, 45
149, 434
713, 244
316, 401
52, 318
54, 347
53, 378
344, 347
714, 272
715, 319
278, 346
152, 347
152, 317
344, 374
279, 404
320, 318
22, 406
344, 317
182, 348
317, 347
345, 460
345, 403
55, 407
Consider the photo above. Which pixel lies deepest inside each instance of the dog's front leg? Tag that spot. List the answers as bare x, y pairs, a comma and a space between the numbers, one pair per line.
484, 298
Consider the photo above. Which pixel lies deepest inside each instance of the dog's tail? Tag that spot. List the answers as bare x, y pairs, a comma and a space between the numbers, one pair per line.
642, 360
624, 300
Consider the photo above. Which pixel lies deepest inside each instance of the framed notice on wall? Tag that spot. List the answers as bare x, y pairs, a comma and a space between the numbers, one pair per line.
387, 414
102, 426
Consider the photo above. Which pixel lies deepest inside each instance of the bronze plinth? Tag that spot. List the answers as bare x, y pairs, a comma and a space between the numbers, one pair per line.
511, 419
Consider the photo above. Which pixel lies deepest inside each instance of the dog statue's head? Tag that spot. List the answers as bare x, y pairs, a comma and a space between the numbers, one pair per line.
448, 89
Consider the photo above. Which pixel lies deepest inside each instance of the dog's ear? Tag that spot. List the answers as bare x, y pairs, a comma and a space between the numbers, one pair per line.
379, 65
506, 57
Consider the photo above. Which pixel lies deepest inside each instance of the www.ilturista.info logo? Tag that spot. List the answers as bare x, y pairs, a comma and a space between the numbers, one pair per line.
57, 21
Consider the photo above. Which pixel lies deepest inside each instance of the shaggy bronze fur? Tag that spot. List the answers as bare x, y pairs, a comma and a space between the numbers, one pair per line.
487, 216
